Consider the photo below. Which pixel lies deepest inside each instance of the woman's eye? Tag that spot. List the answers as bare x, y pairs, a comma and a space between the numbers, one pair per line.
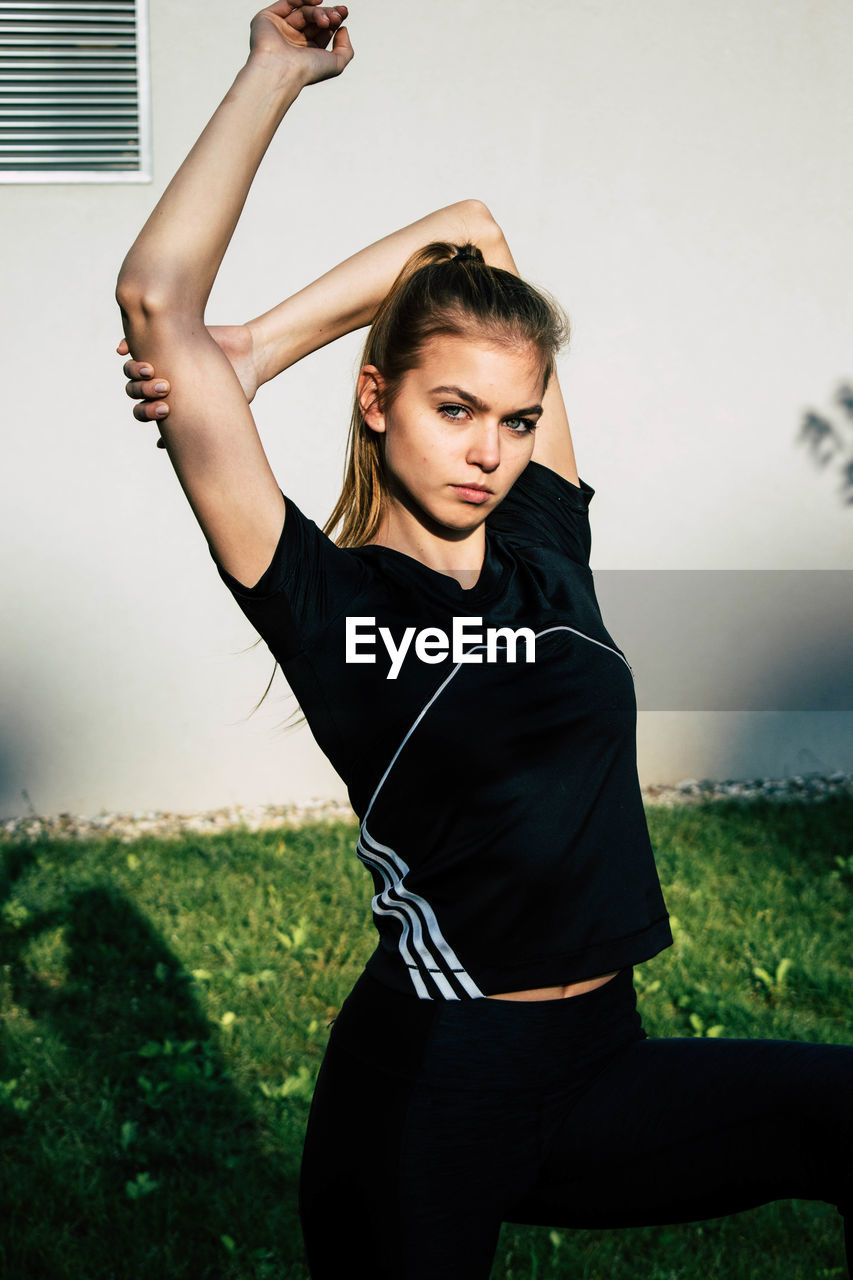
518, 426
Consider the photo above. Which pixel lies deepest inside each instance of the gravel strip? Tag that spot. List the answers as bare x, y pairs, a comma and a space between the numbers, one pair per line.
132, 826
800, 788
128, 827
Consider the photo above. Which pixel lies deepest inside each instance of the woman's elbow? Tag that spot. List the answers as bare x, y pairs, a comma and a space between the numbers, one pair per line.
150, 310
479, 217
139, 300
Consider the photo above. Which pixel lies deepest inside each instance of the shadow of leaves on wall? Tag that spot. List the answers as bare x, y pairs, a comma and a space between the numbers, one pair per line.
831, 442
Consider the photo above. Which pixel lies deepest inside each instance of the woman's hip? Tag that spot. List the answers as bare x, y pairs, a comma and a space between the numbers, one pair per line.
486, 1044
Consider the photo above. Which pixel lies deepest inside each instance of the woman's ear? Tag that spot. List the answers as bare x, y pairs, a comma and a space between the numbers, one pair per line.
370, 390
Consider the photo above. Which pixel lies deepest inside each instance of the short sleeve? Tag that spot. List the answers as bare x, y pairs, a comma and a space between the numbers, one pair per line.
544, 510
309, 582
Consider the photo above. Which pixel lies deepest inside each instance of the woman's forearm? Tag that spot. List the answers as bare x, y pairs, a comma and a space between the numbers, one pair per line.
347, 296
174, 260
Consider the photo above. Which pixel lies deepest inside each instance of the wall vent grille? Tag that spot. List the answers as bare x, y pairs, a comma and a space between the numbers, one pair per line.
74, 91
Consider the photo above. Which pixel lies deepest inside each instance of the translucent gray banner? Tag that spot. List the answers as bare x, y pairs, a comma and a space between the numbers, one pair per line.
733, 640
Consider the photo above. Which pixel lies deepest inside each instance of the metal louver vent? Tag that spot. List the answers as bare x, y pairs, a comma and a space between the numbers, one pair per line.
74, 91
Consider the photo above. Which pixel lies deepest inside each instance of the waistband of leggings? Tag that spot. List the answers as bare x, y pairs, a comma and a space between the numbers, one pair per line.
470, 1043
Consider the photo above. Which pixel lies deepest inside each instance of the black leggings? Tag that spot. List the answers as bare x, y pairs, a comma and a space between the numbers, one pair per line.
434, 1121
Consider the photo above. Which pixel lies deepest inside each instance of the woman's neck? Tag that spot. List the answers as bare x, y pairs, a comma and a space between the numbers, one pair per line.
461, 558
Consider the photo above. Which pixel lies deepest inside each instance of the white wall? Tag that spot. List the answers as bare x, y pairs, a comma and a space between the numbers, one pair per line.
676, 174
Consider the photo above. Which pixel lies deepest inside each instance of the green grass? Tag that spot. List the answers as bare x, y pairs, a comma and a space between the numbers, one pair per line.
166, 1006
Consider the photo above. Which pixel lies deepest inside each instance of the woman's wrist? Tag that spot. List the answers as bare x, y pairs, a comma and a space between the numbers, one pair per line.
284, 79
268, 91
273, 350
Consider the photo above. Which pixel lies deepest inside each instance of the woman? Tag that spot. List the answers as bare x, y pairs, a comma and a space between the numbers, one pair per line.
490, 1064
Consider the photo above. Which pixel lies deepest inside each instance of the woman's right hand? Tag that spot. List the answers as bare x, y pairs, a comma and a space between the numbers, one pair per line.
295, 33
236, 341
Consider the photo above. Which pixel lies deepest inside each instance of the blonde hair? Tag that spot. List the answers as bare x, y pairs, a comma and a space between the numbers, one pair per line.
442, 288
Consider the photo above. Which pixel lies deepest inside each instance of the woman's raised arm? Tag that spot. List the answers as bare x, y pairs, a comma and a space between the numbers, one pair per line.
348, 296
345, 298
167, 276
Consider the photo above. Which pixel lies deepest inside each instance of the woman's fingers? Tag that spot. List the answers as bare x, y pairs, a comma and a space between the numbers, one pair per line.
326, 21
284, 7
299, 16
343, 46
141, 382
150, 411
137, 369
134, 368
315, 23
143, 385
149, 389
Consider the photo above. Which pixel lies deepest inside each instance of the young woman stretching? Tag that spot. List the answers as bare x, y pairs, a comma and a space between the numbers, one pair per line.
490, 1064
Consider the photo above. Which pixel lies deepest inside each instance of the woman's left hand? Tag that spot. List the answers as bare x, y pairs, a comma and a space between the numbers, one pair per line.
296, 32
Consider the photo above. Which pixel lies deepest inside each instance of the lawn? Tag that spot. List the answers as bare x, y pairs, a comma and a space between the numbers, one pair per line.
166, 1005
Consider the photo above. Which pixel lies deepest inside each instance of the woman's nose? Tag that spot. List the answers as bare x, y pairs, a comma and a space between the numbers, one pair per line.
485, 446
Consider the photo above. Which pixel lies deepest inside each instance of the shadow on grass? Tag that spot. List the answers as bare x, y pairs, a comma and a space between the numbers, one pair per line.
127, 1151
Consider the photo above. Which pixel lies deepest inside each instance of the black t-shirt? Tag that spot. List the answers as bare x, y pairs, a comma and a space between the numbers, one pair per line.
500, 807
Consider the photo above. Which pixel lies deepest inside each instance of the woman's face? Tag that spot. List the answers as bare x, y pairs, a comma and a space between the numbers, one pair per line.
463, 417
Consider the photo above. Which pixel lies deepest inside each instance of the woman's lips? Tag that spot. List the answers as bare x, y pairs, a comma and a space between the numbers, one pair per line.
471, 495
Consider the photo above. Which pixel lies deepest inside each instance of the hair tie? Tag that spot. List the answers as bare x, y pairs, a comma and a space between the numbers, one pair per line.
469, 251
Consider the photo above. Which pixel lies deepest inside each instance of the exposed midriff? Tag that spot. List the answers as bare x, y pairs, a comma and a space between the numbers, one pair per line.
556, 993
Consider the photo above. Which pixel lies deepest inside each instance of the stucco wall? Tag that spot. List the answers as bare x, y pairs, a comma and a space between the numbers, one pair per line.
676, 174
